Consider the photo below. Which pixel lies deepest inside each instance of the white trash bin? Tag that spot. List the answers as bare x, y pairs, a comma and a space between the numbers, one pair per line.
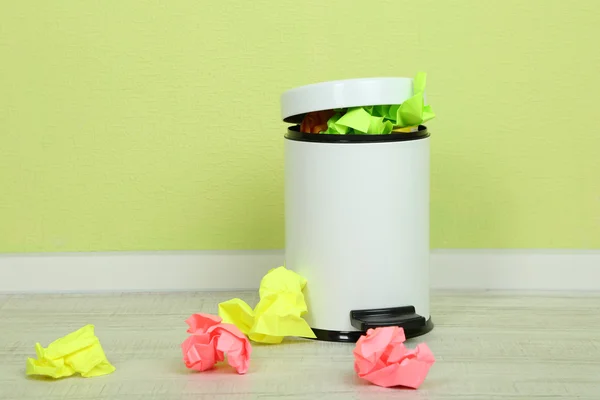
357, 214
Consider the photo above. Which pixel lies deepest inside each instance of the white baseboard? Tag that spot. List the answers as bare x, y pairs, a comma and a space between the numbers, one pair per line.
242, 270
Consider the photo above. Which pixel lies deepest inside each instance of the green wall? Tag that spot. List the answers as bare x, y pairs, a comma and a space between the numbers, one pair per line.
129, 125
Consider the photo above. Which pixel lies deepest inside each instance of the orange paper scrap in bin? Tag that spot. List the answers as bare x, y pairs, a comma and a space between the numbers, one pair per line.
316, 122
381, 358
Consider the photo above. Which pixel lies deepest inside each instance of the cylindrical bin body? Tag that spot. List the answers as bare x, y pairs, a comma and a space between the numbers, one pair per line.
357, 225
357, 205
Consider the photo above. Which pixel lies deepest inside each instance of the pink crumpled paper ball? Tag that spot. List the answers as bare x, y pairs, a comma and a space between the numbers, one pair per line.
381, 358
210, 340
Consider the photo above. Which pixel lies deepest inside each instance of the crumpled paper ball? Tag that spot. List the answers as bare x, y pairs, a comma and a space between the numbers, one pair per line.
278, 313
78, 352
381, 358
211, 340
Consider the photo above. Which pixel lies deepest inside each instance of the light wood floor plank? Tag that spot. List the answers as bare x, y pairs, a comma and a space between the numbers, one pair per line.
488, 345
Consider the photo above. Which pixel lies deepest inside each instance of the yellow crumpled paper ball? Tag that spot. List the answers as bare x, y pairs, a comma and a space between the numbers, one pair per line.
78, 352
277, 314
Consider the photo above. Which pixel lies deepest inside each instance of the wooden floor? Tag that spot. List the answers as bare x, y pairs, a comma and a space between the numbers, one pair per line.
488, 346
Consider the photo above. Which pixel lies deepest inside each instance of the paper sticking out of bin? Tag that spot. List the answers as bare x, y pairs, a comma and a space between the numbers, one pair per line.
357, 203
404, 110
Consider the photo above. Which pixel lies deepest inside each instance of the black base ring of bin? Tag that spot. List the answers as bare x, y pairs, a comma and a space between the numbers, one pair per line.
352, 336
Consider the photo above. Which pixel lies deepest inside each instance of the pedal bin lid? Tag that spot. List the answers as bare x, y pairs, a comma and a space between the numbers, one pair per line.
297, 102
